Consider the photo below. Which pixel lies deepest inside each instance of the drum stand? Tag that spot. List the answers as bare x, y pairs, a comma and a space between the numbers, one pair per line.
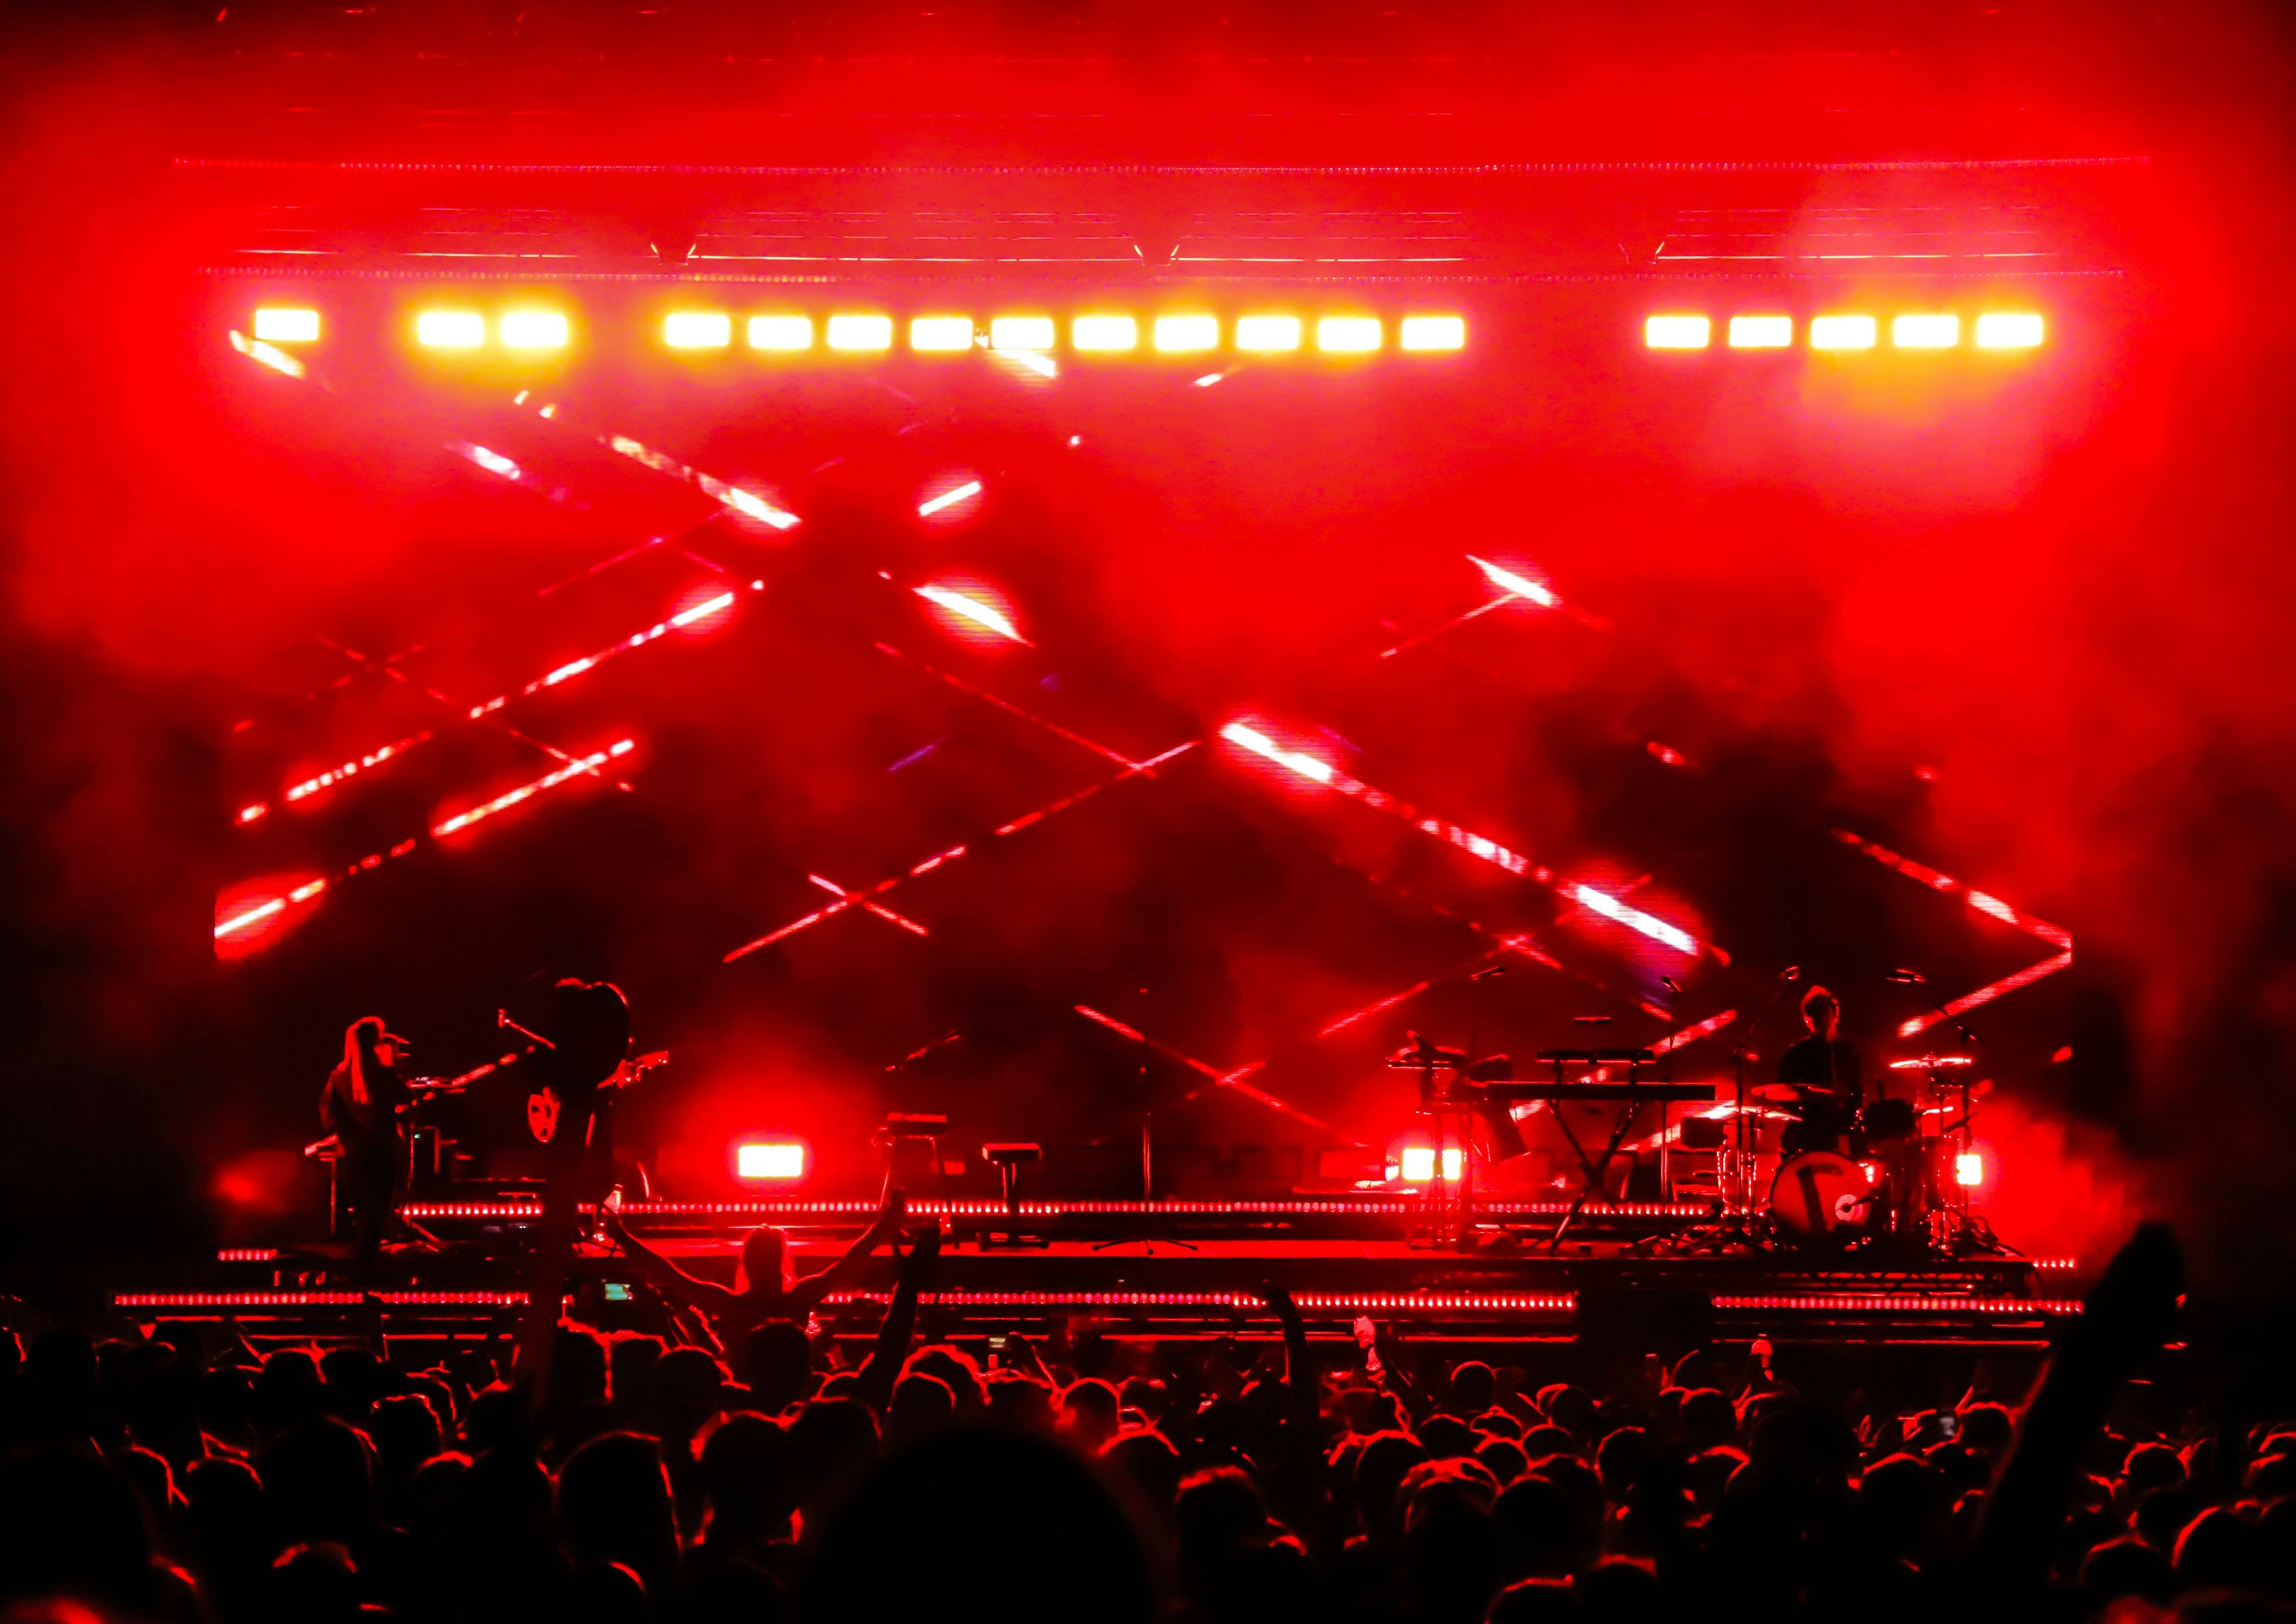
1736, 1226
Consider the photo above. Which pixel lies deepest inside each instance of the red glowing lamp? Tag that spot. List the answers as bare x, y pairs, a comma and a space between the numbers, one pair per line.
769, 1161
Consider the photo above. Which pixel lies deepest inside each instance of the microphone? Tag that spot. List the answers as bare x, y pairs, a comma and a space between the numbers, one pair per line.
1669, 984
1905, 978
1792, 972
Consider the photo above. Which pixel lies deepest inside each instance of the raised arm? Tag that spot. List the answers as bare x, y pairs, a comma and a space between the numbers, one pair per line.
687, 1290
807, 1294
883, 1366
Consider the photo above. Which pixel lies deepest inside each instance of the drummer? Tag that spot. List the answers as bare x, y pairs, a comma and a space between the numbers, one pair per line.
1822, 1072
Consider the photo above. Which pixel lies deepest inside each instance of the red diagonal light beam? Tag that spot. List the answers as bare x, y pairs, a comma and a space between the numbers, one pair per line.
1984, 902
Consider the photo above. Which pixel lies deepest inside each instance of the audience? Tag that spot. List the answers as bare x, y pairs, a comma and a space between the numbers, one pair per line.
1092, 1480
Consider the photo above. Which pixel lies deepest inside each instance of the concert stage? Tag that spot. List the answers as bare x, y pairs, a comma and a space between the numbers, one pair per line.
1181, 1268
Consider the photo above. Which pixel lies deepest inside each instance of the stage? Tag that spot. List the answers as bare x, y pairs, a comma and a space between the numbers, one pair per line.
1178, 1269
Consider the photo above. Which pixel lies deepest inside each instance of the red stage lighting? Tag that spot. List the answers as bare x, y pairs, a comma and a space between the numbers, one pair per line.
275, 325
1969, 1169
954, 500
1105, 332
776, 1160
1678, 332
450, 329
585, 764
1514, 582
697, 330
2009, 330
1841, 332
973, 606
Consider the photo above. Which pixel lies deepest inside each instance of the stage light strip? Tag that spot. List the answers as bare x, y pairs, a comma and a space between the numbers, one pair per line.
1518, 585
1230, 1080
948, 498
1986, 994
277, 360
1634, 918
881, 911
732, 498
1320, 771
973, 610
526, 792
1006, 705
507, 467
1706, 1028
1984, 902
833, 1209
574, 668
1247, 1302
1989, 1307
1131, 771
1370, 1010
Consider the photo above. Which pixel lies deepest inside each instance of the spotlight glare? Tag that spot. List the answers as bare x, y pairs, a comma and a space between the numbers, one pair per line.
1181, 334
277, 325
1265, 334
860, 332
1678, 332
1432, 332
948, 498
1760, 332
1841, 332
1034, 332
781, 1161
1968, 1169
1512, 581
1105, 332
1418, 1164
697, 330
940, 334
533, 330
972, 609
450, 329
1349, 335
2008, 330
781, 332
1925, 331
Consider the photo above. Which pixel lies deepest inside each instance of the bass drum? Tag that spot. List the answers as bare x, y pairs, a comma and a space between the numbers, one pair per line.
1822, 1198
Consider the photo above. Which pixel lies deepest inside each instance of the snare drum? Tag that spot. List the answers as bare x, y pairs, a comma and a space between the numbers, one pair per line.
1823, 1198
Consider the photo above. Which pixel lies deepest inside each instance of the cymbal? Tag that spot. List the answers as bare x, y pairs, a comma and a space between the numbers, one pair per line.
1928, 1062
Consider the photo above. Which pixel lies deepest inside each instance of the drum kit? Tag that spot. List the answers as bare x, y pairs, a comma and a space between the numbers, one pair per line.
1895, 1176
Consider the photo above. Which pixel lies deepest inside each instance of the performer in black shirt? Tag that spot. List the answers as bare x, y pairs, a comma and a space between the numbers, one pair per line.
1823, 1070
361, 1106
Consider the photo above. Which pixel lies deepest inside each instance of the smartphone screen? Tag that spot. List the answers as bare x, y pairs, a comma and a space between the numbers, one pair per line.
616, 1292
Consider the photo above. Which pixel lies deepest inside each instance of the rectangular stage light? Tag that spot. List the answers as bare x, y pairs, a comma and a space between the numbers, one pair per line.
450, 329
1841, 332
1181, 334
697, 330
2008, 330
277, 325
1761, 332
1432, 332
1678, 332
1925, 331
1968, 1169
532, 329
1105, 332
939, 335
781, 332
1021, 332
860, 332
1266, 334
776, 1160
1418, 1164
1349, 335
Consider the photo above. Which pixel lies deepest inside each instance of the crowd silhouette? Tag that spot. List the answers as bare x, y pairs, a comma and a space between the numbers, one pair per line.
178, 1477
